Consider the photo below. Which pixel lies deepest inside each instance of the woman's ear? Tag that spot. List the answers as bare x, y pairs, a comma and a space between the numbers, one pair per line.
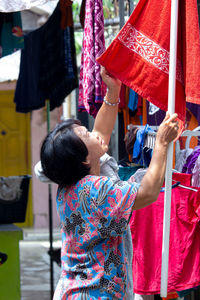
87, 162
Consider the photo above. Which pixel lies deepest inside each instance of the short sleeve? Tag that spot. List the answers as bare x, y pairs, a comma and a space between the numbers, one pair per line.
111, 205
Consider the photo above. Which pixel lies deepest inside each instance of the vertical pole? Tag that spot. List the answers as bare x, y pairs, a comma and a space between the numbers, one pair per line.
121, 13
50, 216
168, 174
115, 135
131, 7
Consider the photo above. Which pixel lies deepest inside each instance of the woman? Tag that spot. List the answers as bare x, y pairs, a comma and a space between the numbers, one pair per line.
94, 210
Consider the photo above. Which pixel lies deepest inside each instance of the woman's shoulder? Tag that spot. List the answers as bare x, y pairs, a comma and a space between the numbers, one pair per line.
93, 180
88, 186
85, 181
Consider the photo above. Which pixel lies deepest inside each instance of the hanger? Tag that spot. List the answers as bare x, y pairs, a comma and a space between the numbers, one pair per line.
178, 183
188, 188
173, 186
195, 132
184, 186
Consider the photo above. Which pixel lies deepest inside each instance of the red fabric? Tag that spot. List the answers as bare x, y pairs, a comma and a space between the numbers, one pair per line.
184, 255
170, 296
82, 13
122, 97
66, 13
139, 55
140, 106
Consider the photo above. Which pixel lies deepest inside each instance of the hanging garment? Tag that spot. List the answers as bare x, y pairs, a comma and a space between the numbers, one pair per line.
143, 297
141, 154
196, 173
48, 68
14, 191
10, 188
133, 101
82, 13
126, 172
191, 160
139, 55
171, 296
122, 97
153, 109
138, 175
91, 88
181, 158
11, 34
140, 109
156, 118
17, 5
66, 13
186, 292
184, 255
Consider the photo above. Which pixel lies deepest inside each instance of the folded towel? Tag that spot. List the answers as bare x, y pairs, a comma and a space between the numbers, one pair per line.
139, 55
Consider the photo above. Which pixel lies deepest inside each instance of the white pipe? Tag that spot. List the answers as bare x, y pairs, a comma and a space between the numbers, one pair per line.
168, 174
66, 108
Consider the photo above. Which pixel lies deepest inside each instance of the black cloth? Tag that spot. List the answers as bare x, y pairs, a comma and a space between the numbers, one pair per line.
48, 69
14, 210
121, 145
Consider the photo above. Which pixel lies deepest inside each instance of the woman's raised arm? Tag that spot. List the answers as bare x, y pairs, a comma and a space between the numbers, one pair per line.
106, 116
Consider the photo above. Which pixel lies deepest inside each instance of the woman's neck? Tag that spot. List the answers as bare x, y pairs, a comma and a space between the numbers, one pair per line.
95, 169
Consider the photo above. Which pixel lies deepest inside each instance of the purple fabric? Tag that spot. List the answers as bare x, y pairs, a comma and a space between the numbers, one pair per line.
196, 173
91, 88
191, 160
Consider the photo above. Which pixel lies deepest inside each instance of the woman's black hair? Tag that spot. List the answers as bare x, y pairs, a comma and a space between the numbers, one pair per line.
63, 154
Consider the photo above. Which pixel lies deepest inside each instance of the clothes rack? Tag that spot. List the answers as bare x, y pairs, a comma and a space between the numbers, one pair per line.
50, 215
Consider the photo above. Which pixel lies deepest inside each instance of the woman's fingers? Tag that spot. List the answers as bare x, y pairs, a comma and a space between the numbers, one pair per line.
171, 118
111, 81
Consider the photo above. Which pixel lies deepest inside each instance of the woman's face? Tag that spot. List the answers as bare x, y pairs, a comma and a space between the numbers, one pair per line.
94, 143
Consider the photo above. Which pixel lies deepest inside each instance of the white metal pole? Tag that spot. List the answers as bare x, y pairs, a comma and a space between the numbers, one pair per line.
66, 108
168, 174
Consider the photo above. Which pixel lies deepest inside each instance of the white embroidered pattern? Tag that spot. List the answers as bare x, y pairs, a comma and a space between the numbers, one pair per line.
136, 41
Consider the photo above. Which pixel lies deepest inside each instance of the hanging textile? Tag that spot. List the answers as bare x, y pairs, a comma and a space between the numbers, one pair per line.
142, 154
196, 173
14, 191
48, 66
191, 160
18, 5
91, 88
184, 255
66, 13
11, 34
133, 101
139, 55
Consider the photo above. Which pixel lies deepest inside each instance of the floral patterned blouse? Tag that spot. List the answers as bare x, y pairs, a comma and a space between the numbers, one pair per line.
94, 215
